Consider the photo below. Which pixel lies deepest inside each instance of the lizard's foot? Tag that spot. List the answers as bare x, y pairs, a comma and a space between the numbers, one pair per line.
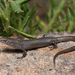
53, 46
44, 35
24, 55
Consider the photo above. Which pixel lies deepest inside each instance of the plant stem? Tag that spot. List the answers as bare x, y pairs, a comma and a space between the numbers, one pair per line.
19, 22
8, 17
22, 33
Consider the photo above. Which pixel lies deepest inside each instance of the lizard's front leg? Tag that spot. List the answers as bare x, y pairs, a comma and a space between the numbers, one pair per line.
24, 55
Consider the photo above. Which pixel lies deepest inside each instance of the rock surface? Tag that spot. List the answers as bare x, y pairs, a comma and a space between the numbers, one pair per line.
38, 61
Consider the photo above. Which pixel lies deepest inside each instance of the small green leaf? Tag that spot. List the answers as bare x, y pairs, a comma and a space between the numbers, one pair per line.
71, 23
74, 3
37, 25
69, 15
32, 11
65, 16
25, 21
71, 11
2, 13
20, 1
39, 5
2, 6
15, 7
30, 14
61, 22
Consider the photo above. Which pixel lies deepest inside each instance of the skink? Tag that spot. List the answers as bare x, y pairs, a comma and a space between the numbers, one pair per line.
35, 43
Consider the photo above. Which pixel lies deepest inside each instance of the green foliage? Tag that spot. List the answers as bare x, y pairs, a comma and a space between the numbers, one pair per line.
61, 23
64, 22
54, 11
17, 17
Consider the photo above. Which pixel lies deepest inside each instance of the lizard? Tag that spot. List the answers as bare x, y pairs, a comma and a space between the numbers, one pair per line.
62, 52
25, 45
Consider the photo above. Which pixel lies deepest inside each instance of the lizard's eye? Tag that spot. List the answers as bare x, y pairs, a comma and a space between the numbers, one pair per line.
5, 40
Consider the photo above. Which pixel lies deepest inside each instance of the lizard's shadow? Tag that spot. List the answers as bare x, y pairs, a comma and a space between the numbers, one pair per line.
7, 50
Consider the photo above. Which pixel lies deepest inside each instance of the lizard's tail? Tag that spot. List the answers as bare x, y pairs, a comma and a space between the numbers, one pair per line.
62, 52
66, 38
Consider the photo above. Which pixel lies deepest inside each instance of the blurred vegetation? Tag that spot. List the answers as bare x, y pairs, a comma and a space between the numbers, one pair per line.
57, 19
16, 17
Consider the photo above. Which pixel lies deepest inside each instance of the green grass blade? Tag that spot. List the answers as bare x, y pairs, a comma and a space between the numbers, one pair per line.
56, 13
70, 26
1, 5
2, 13
65, 16
61, 22
25, 21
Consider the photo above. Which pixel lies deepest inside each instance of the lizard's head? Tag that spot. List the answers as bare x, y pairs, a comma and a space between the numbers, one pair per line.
3, 40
